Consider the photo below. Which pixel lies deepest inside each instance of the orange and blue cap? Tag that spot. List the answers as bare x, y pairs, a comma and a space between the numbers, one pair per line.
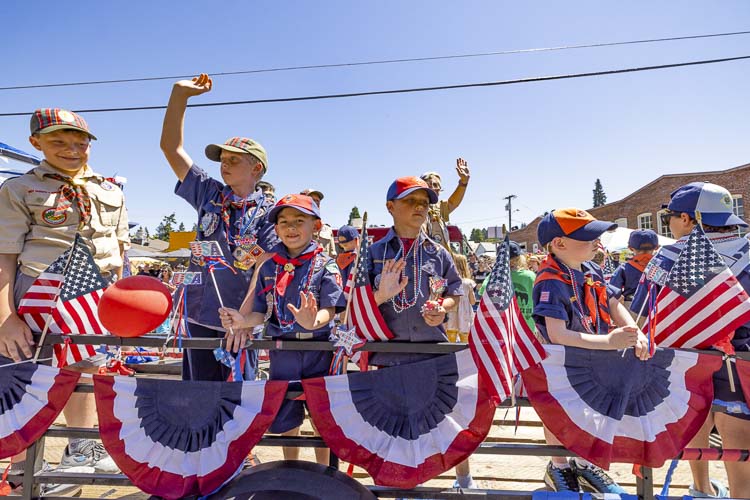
300, 202
404, 186
572, 223
46, 120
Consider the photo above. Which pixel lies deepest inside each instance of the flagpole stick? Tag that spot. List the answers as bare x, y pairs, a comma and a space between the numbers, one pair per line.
218, 295
345, 315
48, 319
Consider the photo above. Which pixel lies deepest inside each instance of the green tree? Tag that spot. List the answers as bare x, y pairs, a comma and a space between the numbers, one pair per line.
166, 226
477, 235
182, 227
354, 214
599, 197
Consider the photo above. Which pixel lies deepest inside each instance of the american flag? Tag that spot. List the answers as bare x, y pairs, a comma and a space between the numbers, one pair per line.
702, 303
608, 267
364, 314
500, 340
69, 290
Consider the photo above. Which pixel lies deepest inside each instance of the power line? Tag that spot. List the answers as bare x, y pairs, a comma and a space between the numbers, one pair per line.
383, 61
413, 90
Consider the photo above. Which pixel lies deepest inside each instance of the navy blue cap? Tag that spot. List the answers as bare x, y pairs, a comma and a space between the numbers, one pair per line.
515, 249
643, 239
712, 201
572, 223
347, 234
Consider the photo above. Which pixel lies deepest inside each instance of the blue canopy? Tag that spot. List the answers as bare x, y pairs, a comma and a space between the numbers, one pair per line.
17, 154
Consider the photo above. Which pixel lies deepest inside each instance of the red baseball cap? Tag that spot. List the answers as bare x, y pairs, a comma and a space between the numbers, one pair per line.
573, 223
301, 202
404, 186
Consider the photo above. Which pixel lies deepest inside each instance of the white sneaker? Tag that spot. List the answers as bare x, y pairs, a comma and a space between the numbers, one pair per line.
88, 454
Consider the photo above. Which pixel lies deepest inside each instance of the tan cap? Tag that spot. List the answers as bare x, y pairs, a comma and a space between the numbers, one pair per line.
238, 145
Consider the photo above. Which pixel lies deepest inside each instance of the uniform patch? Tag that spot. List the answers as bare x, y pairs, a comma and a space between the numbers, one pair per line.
209, 223
107, 186
53, 217
430, 249
544, 297
429, 267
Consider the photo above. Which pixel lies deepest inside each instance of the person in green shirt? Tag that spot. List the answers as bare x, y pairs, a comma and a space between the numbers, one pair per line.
523, 282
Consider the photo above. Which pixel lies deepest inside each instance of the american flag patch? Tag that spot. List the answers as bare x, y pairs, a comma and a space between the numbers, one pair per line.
544, 297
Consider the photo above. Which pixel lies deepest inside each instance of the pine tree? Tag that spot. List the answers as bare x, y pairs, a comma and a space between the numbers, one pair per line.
476, 235
599, 197
166, 227
182, 227
354, 214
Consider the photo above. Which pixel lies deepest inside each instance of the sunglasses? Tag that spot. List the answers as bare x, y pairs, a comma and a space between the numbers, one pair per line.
666, 216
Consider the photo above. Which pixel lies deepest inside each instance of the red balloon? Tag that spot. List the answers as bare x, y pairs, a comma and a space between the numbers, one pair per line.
134, 306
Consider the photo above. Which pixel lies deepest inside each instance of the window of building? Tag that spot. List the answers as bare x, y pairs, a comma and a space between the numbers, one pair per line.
738, 207
622, 222
663, 228
645, 221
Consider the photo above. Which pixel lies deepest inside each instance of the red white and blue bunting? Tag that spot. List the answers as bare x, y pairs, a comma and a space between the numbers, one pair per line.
404, 424
180, 438
607, 407
31, 398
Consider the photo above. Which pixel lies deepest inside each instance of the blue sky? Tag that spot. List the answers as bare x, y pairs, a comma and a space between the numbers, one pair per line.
544, 142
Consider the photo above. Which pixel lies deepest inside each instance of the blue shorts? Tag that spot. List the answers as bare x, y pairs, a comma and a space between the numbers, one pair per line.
201, 364
724, 396
295, 365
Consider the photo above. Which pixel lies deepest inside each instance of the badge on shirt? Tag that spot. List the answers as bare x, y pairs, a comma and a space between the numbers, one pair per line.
247, 252
544, 297
54, 217
429, 267
107, 186
209, 223
187, 278
430, 249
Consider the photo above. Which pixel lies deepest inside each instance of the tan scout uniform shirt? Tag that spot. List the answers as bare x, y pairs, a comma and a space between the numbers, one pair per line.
435, 225
30, 228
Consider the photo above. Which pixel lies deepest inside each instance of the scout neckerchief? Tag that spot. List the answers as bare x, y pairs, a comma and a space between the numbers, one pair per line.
640, 261
594, 294
244, 222
284, 274
73, 190
285, 268
345, 258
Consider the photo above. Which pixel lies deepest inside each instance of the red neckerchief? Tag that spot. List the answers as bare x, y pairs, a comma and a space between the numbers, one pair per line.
408, 243
288, 266
594, 292
71, 190
640, 261
345, 258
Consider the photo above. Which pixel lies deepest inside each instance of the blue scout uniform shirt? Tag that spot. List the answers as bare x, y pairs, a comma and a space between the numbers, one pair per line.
205, 195
736, 254
552, 298
626, 278
409, 325
325, 284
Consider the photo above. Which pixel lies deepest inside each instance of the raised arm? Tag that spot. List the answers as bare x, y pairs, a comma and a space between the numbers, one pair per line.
174, 120
455, 199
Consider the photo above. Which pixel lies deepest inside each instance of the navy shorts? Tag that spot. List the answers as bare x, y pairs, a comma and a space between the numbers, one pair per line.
201, 364
295, 365
724, 396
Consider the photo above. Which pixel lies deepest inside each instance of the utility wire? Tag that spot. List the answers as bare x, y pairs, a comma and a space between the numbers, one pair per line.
414, 90
385, 61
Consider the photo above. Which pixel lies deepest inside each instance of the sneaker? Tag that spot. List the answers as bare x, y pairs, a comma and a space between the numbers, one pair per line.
45, 489
594, 478
721, 491
88, 453
472, 485
561, 479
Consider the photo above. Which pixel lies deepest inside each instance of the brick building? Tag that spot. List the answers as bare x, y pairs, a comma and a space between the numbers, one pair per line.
642, 209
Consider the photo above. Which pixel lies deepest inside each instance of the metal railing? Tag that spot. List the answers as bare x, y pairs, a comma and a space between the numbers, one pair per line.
32, 482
